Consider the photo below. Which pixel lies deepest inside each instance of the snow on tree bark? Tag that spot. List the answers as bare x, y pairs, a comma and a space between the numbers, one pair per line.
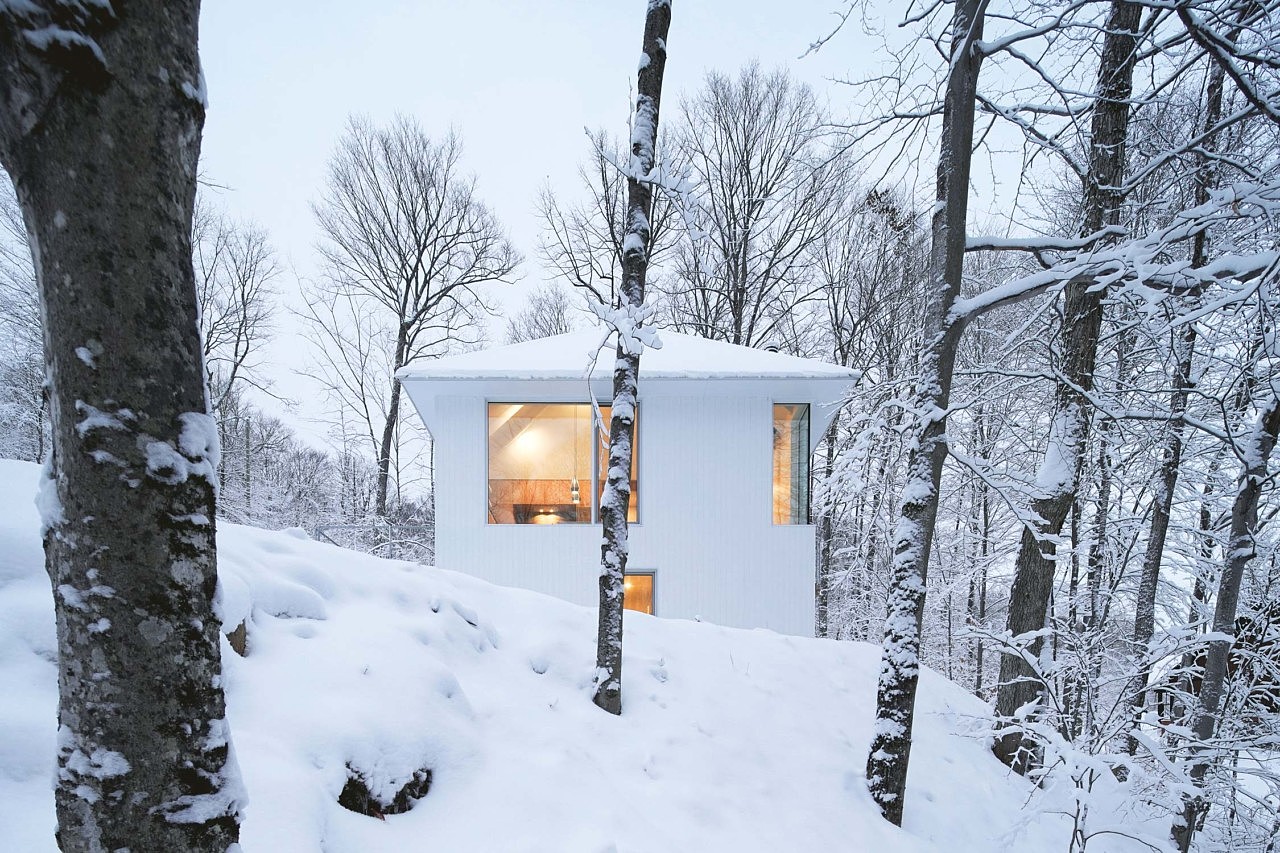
626, 320
1082, 320
900, 664
100, 118
1144, 622
1166, 481
1240, 551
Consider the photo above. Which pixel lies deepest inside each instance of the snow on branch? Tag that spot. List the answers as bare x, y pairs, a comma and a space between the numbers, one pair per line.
628, 322
1136, 266
1229, 55
50, 42
677, 185
67, 37
1043, 244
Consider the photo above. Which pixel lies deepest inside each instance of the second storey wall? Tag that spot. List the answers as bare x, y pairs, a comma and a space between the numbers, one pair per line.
705, 516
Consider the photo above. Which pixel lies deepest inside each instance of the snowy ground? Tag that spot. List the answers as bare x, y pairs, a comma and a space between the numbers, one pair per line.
730, 741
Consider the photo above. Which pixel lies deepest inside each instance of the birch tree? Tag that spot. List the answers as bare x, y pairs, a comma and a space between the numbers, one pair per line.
627, 322
101, 110
406, 234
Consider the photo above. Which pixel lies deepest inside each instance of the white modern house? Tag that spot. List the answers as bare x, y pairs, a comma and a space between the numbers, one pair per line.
720, 526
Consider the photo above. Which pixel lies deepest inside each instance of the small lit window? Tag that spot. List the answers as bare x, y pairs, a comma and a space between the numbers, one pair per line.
637, 592
791, 463
543, 459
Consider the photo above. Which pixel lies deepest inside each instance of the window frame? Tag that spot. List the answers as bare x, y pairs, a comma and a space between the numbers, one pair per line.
585, 484
652, 574
808, 439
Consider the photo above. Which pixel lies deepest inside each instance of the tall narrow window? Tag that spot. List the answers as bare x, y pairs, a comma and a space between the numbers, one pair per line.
543, 460
633, 508
791, 463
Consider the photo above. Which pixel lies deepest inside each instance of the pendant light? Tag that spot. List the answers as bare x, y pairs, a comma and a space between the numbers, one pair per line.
575, 494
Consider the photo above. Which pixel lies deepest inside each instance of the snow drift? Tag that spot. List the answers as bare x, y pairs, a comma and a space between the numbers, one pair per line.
730, 740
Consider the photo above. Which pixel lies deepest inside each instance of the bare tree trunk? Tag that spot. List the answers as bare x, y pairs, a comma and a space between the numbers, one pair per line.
826, 536
1240, 551
385, 448
1162, 505
1074, 687
978, 587
980, 525
1081, 324
1199, 610
431, 499
1100, 547
1144, 620
900, 664
387, 444
248, 470
635, 263
103, 153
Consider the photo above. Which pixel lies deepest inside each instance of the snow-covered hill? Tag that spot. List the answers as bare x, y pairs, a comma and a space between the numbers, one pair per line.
731, 740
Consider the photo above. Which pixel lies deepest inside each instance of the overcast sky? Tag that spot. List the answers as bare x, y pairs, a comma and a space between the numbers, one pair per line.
520, 80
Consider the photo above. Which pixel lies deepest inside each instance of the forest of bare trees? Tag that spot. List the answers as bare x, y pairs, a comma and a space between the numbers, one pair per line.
1054, 479
1106, 406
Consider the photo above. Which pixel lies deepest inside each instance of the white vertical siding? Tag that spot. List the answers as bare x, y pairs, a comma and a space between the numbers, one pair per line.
705, 523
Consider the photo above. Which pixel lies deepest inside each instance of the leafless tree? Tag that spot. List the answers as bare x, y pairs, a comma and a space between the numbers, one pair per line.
581, 241
407, 245
129, 498
236, 270
1081, 328
24, 420
867, 267
1128, 265
546, 313
890, 753
766, 189
626, 321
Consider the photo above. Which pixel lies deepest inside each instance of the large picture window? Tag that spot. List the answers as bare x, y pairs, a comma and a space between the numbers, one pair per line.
791, 463
543, 460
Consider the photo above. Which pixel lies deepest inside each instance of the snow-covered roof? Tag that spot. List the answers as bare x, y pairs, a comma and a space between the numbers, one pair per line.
681, 357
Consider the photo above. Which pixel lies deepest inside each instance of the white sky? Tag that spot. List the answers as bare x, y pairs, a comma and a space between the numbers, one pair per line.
519, 80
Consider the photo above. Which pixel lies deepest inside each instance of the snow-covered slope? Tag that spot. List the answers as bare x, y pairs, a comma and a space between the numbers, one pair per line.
731, 740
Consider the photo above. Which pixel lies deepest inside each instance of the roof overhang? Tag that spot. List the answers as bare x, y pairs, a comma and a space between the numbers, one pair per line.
555, 369
824, 395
